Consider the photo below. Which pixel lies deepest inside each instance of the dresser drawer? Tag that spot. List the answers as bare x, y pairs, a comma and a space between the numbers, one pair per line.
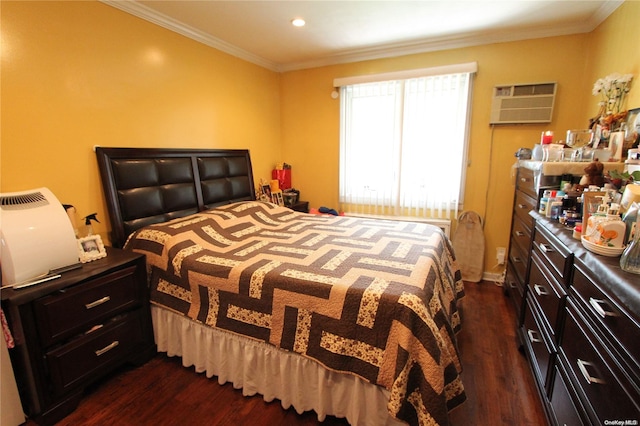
77, 308
614, 324
554, 253
547, 293
525, 182
563, 408
608, 392
85, 357
521, 234
515, 289
519, 260
539, 347
522, 205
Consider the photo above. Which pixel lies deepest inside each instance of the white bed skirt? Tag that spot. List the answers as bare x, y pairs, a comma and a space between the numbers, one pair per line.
257, 367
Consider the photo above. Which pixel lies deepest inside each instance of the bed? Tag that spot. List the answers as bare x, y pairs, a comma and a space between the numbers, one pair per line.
350, 317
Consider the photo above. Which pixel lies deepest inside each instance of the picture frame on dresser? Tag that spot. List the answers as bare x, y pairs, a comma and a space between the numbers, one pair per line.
590, 202
632, 130
91, 248
616, 142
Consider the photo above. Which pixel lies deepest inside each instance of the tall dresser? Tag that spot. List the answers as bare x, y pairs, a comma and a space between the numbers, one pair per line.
532, 178
579, 313
525, 200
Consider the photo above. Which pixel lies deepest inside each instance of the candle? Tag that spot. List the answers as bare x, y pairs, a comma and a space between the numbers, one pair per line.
546, 137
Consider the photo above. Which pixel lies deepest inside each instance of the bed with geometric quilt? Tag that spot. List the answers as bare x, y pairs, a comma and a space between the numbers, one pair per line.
347, 316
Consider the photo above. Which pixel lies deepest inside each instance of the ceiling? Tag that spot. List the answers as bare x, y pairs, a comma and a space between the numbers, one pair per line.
348, 31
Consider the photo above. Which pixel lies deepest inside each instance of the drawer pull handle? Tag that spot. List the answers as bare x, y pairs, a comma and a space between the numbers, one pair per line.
522, 206
97, 302
540, 290
94, 328
519, 234
532, 336
107, 348
524, 180
582, 365
513, 285
545, 248
516, 260
597, 306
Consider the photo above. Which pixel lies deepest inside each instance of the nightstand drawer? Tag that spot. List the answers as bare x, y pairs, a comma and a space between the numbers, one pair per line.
75, 309
84, 357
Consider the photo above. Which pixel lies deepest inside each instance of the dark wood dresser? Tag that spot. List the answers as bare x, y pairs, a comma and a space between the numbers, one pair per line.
581, 330
525, 200
71, 331
532, 178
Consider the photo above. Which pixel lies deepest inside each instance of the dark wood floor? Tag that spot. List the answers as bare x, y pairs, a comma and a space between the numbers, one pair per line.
499, 386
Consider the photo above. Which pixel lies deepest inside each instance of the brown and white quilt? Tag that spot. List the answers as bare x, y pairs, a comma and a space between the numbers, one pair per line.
373, 298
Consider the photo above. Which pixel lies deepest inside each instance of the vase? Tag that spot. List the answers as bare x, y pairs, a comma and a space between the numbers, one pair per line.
630, 259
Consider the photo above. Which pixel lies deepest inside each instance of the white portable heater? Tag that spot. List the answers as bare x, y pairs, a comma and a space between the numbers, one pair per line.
36, 237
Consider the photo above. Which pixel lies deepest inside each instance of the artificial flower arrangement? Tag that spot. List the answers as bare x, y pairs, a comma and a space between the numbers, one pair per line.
613, 90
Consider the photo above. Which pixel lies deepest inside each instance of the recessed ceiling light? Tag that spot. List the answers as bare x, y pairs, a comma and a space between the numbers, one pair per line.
298, 22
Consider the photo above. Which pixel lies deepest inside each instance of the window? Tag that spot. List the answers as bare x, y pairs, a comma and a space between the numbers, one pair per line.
403, 145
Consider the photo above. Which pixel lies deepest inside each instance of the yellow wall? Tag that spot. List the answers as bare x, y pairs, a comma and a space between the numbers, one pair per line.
311, 117
615, 47
79, 74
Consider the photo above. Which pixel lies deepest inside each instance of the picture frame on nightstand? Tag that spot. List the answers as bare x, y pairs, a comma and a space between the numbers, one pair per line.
265, 192
91, 248
277, 198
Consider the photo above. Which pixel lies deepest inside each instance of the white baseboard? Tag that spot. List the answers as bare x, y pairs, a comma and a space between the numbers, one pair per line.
492, 276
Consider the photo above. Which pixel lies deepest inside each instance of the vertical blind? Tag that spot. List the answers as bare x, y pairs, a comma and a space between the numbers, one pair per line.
403, 145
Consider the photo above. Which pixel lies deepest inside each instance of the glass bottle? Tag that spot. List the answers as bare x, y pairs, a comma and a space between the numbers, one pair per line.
630, 259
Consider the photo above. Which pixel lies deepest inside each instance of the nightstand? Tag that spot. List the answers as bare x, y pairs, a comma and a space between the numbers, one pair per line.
76, 329
301, 206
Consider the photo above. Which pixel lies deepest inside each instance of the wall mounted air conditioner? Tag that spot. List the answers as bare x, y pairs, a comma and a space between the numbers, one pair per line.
523, 103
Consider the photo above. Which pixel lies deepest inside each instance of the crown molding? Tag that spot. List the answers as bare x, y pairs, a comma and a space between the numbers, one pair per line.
148, 14
603, 13
456, 42
433, 45
371, 53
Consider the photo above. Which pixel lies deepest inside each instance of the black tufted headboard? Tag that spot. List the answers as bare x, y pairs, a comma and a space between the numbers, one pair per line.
143, 186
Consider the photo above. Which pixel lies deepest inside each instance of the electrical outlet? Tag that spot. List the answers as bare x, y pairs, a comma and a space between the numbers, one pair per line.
500, 255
